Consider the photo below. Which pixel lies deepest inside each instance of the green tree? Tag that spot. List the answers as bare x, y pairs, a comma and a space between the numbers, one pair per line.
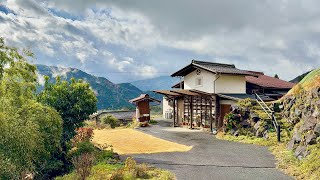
30, 132
276, 76
74, 101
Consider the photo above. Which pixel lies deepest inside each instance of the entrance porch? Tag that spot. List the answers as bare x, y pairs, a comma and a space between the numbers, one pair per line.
192, 108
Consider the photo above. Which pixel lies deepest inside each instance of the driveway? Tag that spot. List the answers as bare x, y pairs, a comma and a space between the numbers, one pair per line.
210, 158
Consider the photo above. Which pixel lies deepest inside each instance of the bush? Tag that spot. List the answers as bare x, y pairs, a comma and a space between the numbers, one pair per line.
110, 120
153, 121
231, 120
83, 165
83, 134
105, 156
82, 148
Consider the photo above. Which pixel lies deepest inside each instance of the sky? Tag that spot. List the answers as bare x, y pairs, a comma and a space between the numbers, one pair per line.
126, 40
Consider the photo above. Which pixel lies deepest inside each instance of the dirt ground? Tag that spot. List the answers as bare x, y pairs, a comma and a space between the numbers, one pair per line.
130, 141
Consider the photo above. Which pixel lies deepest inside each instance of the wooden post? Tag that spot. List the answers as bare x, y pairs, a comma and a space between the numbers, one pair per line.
191, 113
174, 111
177, 118
211, 129
201, 111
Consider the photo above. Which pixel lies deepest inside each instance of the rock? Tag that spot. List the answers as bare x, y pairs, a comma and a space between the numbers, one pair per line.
300, 152
311, 139
259, 133
296, 136
297, 112
236, 133
257, 125
290, 145
308, 124
265, 135
315, 113
233, 130
255, 118
316, 129
245, 124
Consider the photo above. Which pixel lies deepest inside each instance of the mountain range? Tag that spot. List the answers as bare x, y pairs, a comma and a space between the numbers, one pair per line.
109, 94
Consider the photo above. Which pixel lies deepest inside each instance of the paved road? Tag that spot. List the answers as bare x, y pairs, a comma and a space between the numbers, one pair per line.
210, 158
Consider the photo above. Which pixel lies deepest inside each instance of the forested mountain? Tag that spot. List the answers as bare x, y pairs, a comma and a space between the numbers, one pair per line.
109, 95
299, 78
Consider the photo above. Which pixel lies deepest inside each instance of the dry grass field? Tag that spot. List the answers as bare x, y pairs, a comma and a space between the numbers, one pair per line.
130, 141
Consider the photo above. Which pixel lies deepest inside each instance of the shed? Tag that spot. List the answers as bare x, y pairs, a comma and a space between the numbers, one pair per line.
143, 107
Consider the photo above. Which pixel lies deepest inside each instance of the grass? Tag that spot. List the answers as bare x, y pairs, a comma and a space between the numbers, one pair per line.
129, 141
307, 83
104, 171
153, 122
245, 139
308, 168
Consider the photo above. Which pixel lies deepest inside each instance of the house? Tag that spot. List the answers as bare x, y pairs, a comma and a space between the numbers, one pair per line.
207, 92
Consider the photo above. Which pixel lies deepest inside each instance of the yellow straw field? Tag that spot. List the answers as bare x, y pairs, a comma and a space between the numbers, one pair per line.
130, 141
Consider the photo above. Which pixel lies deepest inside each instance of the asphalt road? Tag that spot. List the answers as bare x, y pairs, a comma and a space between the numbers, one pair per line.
210, 158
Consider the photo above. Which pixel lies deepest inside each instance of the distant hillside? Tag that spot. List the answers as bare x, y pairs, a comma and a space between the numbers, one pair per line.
299, 78
109, 95
162, 82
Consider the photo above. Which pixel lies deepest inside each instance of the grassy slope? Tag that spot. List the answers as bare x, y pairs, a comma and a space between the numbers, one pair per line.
308, 82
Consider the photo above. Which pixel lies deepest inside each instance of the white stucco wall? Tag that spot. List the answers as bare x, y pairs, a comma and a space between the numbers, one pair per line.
166, 107
224, 84
228, 84
231, 102
207, 81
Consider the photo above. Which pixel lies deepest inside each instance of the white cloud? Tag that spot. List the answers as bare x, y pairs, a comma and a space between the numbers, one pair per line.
125, 39
41, 79
59, 71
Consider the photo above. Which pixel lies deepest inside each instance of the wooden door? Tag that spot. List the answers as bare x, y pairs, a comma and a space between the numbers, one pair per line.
225, 109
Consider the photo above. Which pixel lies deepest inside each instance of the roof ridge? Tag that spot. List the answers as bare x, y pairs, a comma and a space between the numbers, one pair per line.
212, 63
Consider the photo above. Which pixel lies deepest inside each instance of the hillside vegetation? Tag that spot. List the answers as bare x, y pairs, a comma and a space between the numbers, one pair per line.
309, 82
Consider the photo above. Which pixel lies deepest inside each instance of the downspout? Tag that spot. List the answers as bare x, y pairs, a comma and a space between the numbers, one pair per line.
214, 92
214, 83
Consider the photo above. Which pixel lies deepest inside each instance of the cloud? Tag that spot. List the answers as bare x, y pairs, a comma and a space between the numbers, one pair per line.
126, 40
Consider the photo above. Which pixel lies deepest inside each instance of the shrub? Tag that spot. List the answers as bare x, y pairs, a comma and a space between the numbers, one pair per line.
231, 120
110, 120
83, 134
83, 165
153, 121
82, 148
104, 155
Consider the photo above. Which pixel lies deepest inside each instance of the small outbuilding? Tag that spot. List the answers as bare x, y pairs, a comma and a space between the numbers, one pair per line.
143, 107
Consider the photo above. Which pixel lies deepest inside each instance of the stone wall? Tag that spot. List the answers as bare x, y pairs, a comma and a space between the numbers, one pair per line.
302, 112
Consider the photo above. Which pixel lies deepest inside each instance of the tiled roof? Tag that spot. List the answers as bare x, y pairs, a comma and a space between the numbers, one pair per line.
268, 82
212, 67
144, 97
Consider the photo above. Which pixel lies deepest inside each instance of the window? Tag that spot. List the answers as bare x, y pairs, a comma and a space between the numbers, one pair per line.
198, 81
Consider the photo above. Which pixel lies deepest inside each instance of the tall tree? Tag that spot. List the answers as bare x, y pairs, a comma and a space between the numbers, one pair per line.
74, 101
30, 132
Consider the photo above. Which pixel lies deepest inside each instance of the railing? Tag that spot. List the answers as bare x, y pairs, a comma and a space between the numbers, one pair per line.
270, 113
